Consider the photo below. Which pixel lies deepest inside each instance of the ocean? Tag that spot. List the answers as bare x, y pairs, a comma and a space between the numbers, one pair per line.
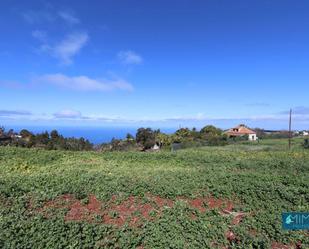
95, 135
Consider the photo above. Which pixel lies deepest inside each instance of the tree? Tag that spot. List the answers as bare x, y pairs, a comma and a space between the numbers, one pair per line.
195, 134
183, 132
25, 133
10, 133
116, 145
52, 141
145, 137
163, 139
2, 130
42, 139
54, 134
211, 130
129, 137
213, 135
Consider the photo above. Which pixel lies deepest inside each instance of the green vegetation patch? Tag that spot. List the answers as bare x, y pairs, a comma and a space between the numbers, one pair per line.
208, 197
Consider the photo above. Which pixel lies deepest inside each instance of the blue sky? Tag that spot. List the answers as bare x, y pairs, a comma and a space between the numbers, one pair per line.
154, 63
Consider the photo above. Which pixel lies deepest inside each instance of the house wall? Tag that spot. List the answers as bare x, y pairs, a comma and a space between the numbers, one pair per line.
156, 147
252, 137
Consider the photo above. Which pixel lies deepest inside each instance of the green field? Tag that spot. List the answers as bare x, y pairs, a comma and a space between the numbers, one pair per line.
208, 197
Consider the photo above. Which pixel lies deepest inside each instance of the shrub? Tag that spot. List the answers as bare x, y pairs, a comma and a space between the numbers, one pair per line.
145, 137
306, 143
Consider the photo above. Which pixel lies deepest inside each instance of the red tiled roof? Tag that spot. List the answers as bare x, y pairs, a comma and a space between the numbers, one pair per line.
240, 130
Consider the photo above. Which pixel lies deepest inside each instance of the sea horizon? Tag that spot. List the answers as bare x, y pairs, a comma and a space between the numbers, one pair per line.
95, 134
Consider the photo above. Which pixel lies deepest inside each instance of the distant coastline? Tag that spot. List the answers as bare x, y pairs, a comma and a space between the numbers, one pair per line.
96, 135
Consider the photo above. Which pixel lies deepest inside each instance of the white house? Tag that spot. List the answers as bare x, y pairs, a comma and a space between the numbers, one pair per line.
305, 133
242, 130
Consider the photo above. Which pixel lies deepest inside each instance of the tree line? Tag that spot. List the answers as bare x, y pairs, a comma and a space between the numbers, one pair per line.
145, 139
46, 140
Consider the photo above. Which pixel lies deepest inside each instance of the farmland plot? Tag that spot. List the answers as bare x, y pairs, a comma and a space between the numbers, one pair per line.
196, 198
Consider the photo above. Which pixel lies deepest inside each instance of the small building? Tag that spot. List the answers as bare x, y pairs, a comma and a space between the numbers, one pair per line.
242, 130
156, 146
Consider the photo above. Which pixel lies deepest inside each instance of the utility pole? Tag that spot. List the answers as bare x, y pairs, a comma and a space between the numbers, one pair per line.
290, 129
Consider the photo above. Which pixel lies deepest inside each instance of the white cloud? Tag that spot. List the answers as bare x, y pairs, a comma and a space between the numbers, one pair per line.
64, 50
68, 114
185, 120
83, 83
271, 121
68, 47
129, 57
68, 17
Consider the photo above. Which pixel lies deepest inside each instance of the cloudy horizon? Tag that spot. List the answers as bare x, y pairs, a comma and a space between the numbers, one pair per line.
161, 63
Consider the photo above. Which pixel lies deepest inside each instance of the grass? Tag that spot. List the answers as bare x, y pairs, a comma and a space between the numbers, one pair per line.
261, 180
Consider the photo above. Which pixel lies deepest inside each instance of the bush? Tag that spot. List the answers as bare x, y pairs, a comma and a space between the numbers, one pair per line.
145, 137
239, 138
217, 140
306, 143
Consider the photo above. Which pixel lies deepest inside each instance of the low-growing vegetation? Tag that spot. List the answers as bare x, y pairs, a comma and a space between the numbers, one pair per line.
206, 197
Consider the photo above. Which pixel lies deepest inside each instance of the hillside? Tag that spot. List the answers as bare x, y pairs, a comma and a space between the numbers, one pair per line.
208, 197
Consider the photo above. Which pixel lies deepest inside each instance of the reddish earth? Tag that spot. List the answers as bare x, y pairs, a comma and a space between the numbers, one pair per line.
161, 202
208, 203
60, 202
133, 210
230, 236
87, 212
276, 245
63, 201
